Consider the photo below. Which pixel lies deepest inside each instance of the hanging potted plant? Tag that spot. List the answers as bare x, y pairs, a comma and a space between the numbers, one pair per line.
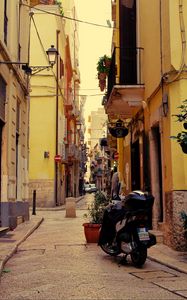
102, 84
103, 67
181, 137
107, 61
94, 217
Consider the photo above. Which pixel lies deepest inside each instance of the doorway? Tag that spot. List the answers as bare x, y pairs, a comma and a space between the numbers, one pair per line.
1, 129
157, 172
135, 166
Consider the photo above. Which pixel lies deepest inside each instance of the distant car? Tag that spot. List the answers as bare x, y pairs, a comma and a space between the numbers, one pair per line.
90, 188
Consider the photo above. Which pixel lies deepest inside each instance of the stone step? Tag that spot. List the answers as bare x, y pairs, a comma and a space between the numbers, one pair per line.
159, 236
3, 230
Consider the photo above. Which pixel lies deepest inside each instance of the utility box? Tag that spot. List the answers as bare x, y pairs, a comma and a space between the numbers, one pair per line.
70, 207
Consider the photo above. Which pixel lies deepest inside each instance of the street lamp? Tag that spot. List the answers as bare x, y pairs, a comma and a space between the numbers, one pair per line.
78, 125
31, 70
52, 55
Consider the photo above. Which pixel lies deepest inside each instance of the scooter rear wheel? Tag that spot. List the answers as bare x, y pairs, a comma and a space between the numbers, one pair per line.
139, 256
110, 249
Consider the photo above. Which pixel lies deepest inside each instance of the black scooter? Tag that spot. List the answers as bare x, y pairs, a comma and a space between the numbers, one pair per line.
125, 227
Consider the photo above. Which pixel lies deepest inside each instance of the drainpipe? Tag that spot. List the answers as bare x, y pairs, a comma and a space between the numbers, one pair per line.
56, 151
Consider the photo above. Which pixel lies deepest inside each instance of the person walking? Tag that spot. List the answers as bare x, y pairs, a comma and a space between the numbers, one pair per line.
115, 185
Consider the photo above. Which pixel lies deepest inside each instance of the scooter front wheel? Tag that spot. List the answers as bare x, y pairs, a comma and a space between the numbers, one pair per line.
139, 256
110, 249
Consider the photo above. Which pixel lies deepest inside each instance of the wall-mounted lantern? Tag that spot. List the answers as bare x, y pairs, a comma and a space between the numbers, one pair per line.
31, 70
118, 129
165, 105
78, 125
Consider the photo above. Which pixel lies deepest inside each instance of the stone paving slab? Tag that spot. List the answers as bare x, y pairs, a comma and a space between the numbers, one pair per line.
10, 242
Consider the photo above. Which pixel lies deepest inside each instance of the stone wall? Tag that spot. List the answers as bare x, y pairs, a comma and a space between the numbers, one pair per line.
44, 192
11, 211
175, 202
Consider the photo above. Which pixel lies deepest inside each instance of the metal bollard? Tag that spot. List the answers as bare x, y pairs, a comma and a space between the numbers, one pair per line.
34, 203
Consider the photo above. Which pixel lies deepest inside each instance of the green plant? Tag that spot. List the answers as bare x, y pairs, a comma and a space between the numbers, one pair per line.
182, 117
183, 216
96, 208
103, 64
181, 137
59, 3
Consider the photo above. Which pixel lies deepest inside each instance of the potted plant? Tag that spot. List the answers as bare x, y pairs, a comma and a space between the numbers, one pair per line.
103, 67
94, 217
181, 137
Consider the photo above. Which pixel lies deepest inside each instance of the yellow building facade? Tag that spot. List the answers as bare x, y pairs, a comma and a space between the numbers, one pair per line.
14, 104
47, 121
147, 91
52, 95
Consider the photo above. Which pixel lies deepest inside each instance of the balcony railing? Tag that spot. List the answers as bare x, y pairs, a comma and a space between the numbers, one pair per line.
73, 152
126, 68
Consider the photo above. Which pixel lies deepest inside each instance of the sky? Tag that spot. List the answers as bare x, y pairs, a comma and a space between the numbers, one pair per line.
94, 42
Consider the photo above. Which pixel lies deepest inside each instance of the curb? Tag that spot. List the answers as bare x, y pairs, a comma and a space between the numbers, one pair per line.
178, 269
15, 248
57, 208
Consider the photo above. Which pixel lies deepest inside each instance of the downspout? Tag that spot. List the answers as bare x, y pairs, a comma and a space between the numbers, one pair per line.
117, 53
183, 42
57, 100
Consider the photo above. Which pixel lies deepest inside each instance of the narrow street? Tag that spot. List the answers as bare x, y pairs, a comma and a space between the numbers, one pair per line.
55, 263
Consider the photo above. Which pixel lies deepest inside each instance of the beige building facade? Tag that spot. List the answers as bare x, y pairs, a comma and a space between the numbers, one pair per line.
14, 104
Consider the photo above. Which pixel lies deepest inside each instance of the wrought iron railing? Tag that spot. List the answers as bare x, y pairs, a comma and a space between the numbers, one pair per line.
126, 71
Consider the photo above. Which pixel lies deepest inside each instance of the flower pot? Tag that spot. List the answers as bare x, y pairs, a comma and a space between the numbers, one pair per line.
91, 232
102, 84
102, 76
107, 63
184, 147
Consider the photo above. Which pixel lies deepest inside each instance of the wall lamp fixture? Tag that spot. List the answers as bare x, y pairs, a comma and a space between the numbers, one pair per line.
118, 129
31, 70
165, 105
78, 125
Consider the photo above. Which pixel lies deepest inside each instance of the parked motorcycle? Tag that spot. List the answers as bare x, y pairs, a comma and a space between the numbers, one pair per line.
125, 227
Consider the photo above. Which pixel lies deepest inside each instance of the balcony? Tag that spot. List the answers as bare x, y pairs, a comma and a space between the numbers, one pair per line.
125, 91
73, 153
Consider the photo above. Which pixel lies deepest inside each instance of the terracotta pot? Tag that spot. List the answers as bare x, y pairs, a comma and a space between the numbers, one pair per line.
102, 84
101, 76
91, 232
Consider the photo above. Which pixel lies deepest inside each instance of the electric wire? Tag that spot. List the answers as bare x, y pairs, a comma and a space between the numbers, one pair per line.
38, 35
68, 18
53, 95
60, 89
